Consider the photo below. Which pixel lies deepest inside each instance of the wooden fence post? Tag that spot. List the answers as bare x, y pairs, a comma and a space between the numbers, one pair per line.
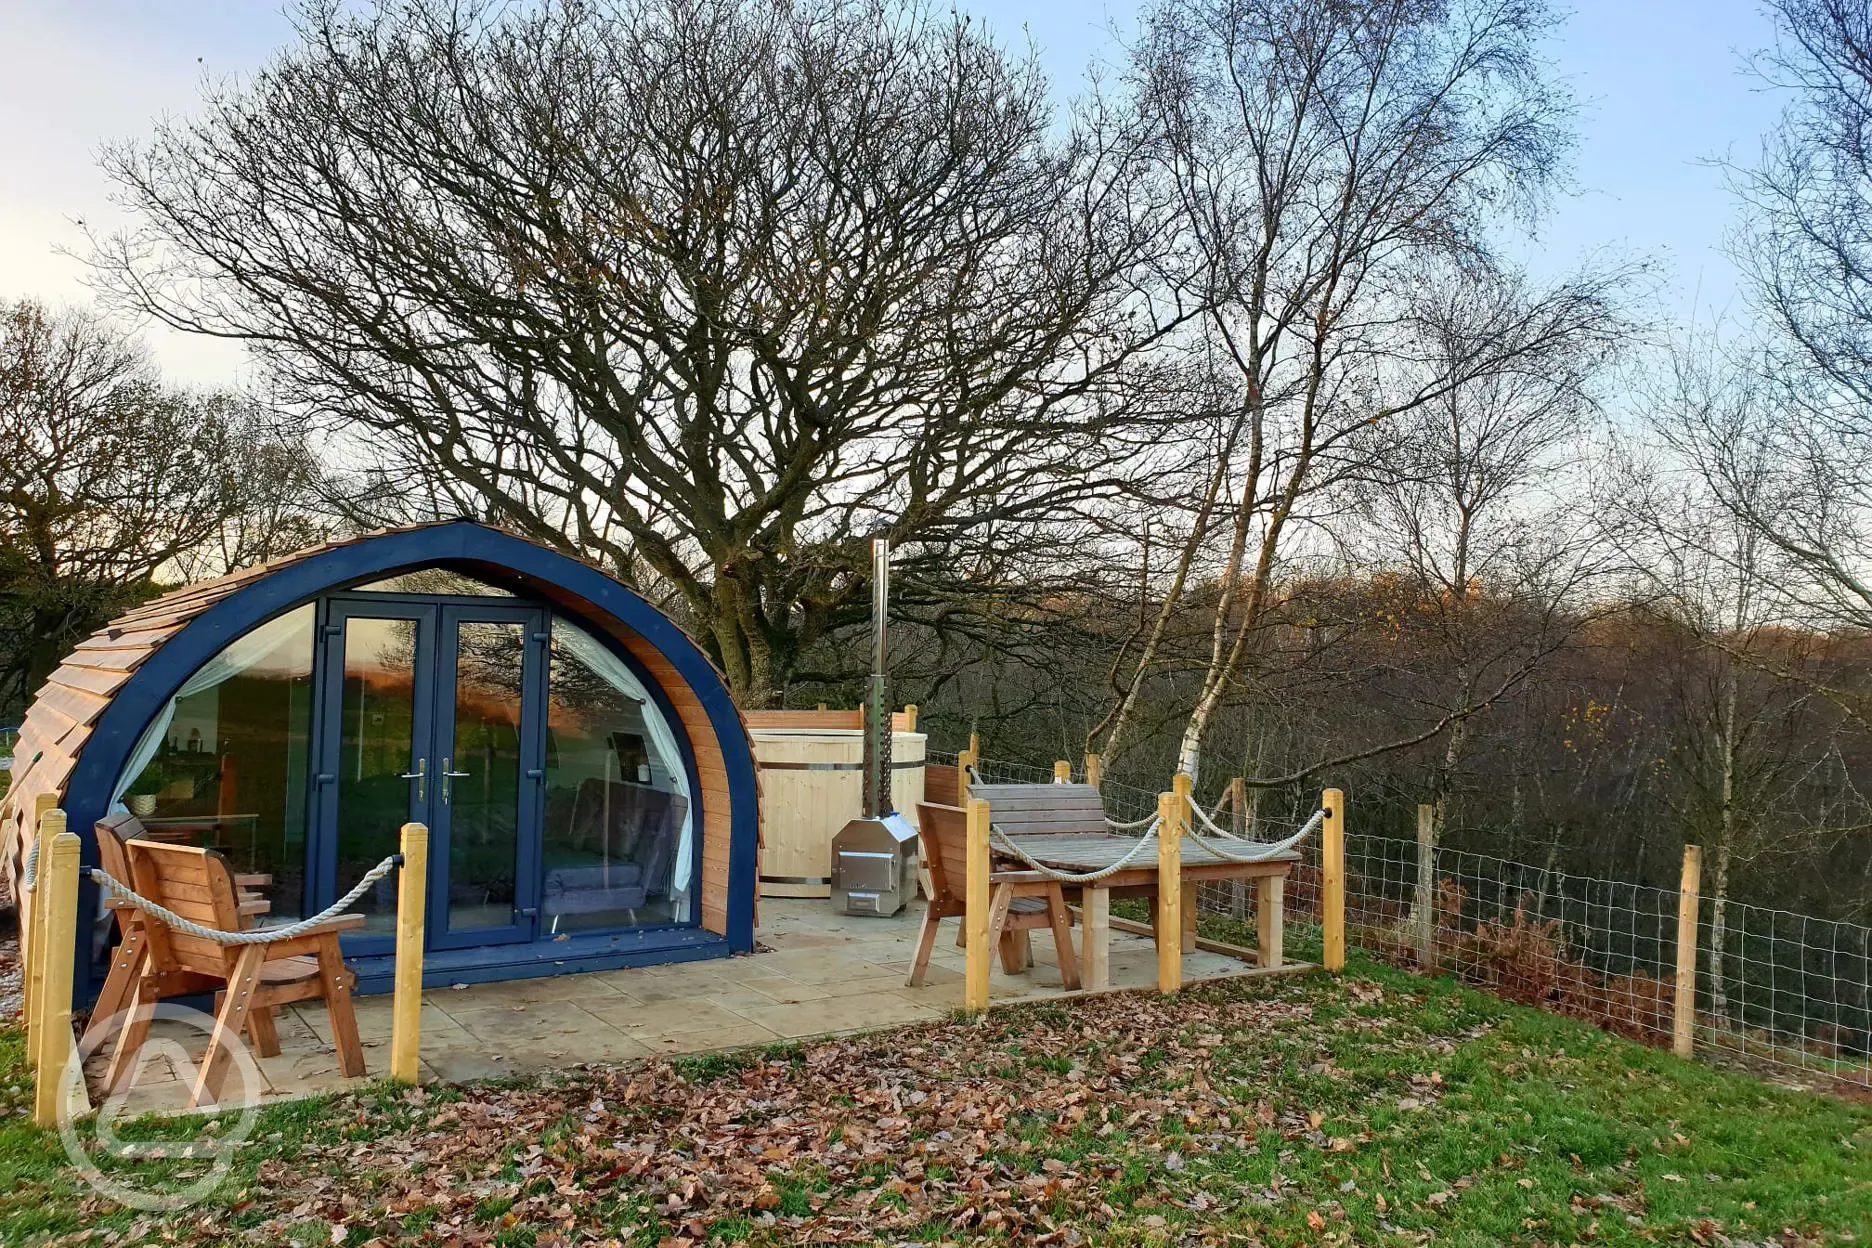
1426, 887
32, 944
57, 895
1062, 772
1190, 900
910, 717
975, 917
32, 914
1170, 818
406, 1005
964, 760
1683, 1022
1095, 769
1238, 824
1332, 880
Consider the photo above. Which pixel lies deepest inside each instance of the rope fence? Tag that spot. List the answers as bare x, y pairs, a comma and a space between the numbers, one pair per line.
251, 935
1787, 995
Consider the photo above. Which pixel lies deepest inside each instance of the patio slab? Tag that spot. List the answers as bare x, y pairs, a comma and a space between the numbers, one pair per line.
818, 973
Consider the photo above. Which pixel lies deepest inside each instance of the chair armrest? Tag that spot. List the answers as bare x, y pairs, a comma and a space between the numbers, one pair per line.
310, 940
255, 905
341, 923
253, 879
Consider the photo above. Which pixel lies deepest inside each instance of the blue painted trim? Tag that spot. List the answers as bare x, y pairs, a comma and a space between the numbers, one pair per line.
156, 681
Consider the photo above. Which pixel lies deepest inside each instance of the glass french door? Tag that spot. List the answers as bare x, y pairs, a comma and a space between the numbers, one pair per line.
432, 713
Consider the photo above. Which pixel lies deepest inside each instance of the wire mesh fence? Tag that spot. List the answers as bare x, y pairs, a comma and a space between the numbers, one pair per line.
1787, 989
1786, 993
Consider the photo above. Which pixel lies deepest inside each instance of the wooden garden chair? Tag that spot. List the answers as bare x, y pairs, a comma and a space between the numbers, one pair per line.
198, 885
132, 952
1019, 901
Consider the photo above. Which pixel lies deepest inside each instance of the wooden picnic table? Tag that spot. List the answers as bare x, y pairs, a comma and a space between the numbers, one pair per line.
1078, 853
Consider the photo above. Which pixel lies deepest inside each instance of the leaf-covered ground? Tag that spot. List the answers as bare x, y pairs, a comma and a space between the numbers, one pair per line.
1374, 1109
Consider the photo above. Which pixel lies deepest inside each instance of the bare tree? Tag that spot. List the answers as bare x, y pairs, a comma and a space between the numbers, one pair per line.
1331, 166
1803, 479
1752, 741
110, 481
708, 289
1474, 497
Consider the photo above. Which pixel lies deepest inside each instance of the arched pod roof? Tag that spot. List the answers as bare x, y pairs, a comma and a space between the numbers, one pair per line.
81, 726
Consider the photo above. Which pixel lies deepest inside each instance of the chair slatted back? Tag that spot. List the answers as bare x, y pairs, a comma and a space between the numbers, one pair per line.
939, 784
1043, 809
943, 833
196, 884
111, 835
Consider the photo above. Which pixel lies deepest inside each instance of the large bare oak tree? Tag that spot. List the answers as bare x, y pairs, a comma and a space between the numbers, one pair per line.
709, 290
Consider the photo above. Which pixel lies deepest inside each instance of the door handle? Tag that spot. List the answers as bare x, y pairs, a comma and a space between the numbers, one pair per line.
421, 777
449, 774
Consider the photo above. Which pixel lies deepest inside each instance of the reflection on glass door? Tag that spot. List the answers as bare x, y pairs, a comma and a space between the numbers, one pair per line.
616, 843
556, 793
486, 817
380, 763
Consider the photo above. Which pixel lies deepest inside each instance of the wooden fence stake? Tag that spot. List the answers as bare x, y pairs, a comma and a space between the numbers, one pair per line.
57, 895
1062, 772
1095, 769
1170, 818
1332, 881
1426, 887
1683, 1022
406, 1005
32, 947
910, 716
1238, 824
964, 760
975, 918
1181, 785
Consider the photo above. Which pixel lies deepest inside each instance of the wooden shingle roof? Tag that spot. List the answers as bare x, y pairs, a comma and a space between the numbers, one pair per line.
65, 710
67, 706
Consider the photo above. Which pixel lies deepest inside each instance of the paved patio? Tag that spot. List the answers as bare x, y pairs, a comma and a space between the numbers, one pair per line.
818, 973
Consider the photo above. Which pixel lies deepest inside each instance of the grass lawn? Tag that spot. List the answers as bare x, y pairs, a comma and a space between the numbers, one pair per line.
1376, 1109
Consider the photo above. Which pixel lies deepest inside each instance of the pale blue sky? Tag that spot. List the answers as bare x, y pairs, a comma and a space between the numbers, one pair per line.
1660, 81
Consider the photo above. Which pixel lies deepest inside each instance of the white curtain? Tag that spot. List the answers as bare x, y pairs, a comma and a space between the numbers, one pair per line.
244, 653
595, 655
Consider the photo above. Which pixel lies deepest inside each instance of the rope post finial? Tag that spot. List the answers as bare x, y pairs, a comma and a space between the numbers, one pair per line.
406, 1006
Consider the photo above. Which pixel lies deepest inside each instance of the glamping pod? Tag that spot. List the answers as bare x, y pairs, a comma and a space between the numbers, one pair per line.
588, 783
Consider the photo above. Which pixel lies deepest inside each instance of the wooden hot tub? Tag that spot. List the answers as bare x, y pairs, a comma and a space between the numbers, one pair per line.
812, 783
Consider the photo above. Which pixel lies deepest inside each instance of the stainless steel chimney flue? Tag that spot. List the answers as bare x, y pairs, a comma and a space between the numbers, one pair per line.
874, 856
